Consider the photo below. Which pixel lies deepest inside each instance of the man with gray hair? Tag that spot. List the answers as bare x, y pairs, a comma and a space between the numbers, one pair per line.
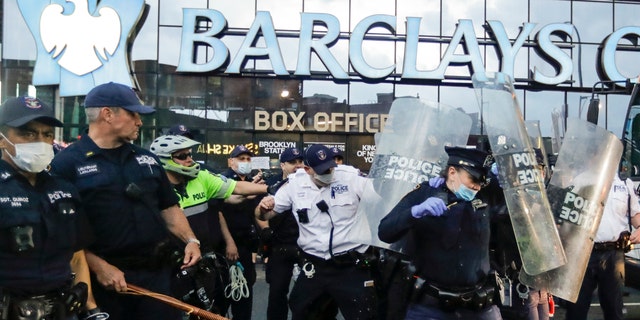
130, 203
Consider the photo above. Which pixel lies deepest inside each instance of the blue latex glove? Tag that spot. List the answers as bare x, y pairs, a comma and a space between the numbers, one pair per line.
436, 182
431, 207
494, 169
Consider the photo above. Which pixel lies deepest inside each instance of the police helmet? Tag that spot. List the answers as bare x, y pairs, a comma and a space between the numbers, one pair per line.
165, 146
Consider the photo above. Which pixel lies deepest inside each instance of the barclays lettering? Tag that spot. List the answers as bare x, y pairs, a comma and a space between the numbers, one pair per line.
310, 42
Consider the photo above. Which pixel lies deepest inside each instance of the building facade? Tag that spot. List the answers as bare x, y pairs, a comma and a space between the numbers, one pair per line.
275, 74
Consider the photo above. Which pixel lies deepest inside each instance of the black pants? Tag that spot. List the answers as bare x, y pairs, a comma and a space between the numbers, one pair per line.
350, 287
279, 269
126, 307
605, 271
241, 309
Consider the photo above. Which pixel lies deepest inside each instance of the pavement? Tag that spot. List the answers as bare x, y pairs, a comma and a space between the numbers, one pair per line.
631, 301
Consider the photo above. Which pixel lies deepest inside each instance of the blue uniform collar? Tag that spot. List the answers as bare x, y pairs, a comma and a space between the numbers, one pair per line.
90, 149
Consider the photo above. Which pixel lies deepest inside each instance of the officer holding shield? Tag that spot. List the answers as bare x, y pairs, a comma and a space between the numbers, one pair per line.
449, 241
605, 269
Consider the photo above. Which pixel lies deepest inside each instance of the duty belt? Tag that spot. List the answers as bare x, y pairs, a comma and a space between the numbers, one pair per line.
623, 243
473, 298
603, 246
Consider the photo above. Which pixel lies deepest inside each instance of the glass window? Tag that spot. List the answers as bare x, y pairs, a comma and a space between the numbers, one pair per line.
454, 10
169, 41
540, 105
239, 13
361, 93
337, 8
361, 9
427, 93
428, 10
145, 46
544, 12
512, 13
171, 11
616, 111
593, 19
285, 13
626, 14
359, 151
323, 91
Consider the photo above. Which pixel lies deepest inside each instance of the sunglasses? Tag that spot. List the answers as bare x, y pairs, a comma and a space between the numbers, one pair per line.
182, 156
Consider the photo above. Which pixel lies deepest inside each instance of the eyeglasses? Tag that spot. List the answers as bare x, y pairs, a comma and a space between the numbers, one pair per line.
182, 156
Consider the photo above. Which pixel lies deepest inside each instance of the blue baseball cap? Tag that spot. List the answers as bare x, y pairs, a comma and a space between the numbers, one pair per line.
18, 111
180, 130
319, 158
337, 152
116, 95
290, 154
240, 149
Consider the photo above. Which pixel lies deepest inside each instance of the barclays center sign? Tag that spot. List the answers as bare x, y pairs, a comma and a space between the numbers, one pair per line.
81, 43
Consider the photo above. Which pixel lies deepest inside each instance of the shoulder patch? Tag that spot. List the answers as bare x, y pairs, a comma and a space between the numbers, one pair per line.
418, 186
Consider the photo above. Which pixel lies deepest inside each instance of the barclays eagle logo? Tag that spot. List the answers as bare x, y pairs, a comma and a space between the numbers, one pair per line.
81, 43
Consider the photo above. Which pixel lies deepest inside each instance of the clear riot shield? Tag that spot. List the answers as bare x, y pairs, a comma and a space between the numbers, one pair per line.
587, 162
409, 151
533, 223
533, 129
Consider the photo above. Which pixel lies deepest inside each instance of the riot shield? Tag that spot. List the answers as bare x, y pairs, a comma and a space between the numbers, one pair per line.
409, 151
578, 189
533, 129
533, 224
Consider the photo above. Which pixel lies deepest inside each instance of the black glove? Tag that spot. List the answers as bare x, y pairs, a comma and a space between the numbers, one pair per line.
94, 314
75, 297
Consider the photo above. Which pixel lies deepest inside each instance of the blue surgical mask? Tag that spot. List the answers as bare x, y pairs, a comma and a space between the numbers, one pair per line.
464, 192
244, 168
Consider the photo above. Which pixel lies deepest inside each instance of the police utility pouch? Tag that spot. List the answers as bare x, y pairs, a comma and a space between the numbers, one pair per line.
303, 216
21, 238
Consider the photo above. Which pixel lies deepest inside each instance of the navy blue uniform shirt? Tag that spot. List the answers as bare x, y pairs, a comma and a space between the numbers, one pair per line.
452, 250
52, 209
123, 190
241, 217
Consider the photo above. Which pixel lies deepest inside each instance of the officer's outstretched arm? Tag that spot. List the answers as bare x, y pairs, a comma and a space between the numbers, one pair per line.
249, 188
80, 267
178, 225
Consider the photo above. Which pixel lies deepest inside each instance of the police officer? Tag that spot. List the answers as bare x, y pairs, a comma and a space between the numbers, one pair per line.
449, 241
523, 302
338, 155
43, 225
605, 269
130, 203
238, 212
280, 238
325, 203
195, 187
180, 130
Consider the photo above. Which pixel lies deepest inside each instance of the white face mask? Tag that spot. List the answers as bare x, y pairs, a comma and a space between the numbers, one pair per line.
32, 156
325, 179
244, 168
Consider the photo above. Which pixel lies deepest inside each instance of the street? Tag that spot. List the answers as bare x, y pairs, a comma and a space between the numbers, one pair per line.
632, 301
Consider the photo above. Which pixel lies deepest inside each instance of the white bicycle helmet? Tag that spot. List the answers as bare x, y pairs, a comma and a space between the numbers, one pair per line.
165, 146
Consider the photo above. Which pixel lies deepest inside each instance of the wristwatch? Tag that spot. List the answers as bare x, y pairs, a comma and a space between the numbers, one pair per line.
193, 240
